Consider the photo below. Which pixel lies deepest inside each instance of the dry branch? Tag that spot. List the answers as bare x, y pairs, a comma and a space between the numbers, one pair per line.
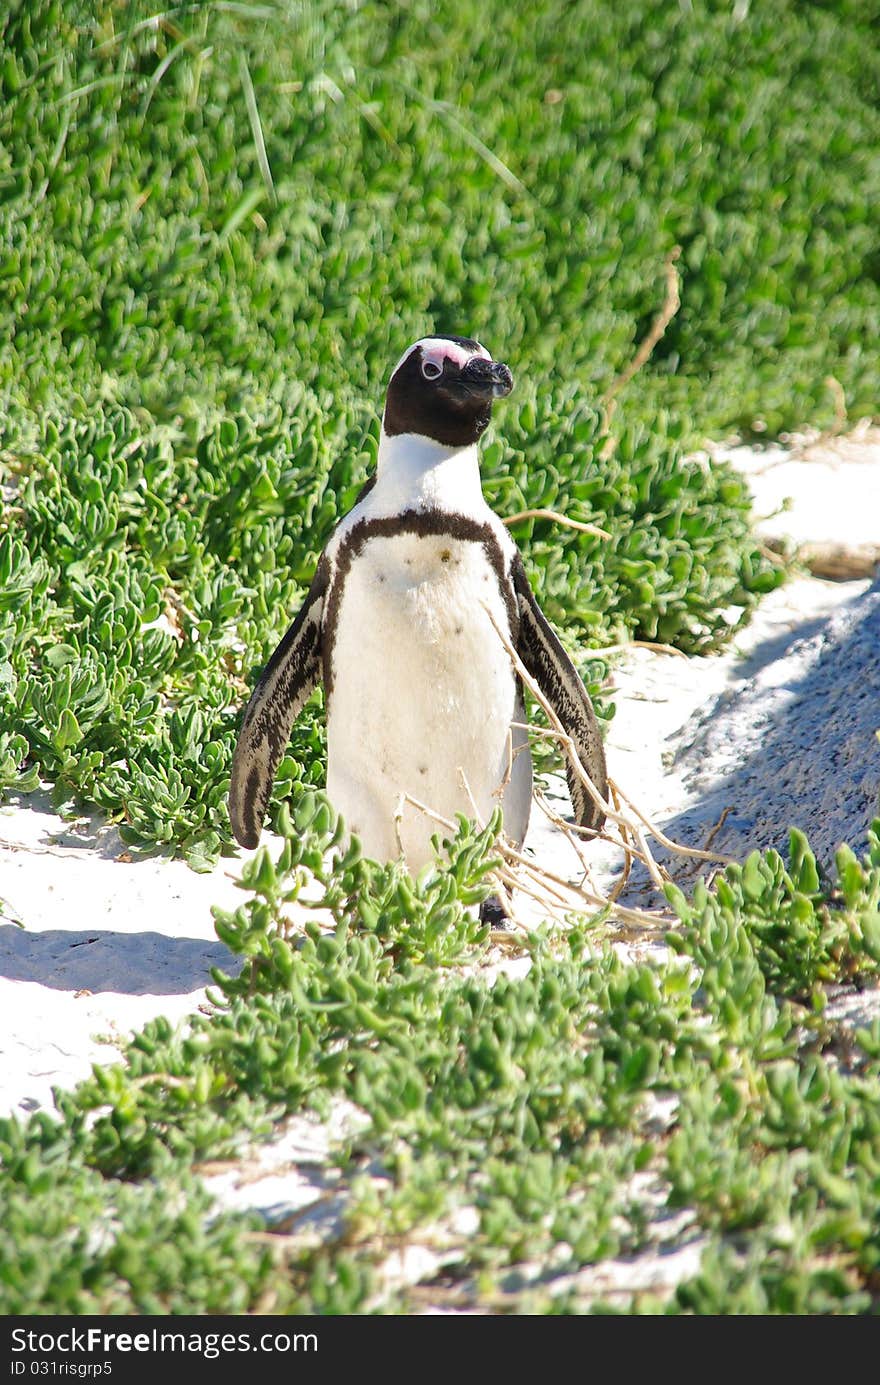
671, 305
601, 651
554, 894
582, 525
633, 827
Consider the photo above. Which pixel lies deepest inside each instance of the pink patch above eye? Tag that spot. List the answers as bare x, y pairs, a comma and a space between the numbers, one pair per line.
438, 349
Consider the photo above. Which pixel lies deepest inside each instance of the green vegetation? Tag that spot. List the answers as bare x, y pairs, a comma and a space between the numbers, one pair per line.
529, 1101
220, 223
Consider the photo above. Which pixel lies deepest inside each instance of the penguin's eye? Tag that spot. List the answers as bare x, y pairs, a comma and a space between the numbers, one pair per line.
431, 370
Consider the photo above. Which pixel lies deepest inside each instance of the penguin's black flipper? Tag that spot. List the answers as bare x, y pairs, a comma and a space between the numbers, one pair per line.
286, 682
556, 676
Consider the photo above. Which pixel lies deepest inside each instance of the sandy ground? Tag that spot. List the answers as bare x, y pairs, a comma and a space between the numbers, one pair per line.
779, 730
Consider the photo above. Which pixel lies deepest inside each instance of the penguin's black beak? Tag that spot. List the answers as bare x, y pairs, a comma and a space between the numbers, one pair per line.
489, 379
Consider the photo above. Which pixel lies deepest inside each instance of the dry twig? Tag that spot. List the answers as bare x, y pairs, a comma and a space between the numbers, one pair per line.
552, 892
671, 305
658, 648
635, 828
713, 832
582, 525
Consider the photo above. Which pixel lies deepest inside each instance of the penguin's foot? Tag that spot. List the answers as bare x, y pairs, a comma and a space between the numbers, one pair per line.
493, 913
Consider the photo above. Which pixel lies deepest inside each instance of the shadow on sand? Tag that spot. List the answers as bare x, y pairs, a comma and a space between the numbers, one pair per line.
99, 960
795, 746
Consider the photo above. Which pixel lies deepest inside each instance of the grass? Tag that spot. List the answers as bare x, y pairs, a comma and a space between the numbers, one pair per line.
524, 1107
219, 225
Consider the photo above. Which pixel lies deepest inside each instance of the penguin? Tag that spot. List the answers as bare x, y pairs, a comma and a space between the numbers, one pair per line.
402, 621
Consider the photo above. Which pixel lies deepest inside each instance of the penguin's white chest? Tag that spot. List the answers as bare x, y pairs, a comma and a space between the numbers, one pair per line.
423, 693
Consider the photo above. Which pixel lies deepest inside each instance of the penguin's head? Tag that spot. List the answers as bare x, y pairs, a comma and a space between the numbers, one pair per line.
442, 388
